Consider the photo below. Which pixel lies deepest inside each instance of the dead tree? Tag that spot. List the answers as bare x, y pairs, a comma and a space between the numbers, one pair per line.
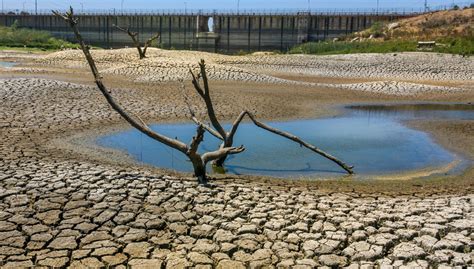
136, 41
227, 138
199, 161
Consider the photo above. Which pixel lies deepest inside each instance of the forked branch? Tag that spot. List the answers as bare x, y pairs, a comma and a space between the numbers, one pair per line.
136, 41
228, 137
206, 96
193, 114
149, 42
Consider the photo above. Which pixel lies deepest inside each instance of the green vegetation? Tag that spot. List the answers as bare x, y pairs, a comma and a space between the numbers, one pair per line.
376, 30
458, 45
15, 37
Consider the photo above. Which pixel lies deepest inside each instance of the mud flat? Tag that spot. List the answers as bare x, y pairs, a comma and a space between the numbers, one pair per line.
63, 208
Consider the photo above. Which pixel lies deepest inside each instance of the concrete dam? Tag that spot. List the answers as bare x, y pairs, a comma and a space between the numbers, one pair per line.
224, 33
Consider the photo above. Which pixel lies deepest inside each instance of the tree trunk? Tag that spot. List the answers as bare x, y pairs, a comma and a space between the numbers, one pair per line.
140, 53
199, 168
219, 163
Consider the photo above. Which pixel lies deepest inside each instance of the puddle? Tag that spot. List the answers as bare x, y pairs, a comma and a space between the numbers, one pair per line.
7, 64
370, 137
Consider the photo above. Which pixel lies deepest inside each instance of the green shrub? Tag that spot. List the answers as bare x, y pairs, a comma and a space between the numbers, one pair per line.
462, 46
15, 36
376, 29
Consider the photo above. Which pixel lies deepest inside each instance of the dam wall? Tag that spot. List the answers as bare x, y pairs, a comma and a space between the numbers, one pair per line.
225, 33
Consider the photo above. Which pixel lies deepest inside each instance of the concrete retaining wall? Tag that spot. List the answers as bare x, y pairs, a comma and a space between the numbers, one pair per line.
231, 32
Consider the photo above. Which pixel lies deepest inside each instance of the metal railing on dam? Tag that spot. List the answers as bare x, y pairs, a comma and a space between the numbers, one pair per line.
224, 32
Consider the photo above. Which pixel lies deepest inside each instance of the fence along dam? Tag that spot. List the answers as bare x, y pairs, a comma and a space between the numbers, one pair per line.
224, 33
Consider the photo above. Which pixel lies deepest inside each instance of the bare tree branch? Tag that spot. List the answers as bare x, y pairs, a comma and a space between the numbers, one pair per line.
236, 125
193, 114
176, 144
211, 156
196, 84
127, 30
149, 42
136, 42
202, 66
206, 96
301, 142
207, 128
193, 147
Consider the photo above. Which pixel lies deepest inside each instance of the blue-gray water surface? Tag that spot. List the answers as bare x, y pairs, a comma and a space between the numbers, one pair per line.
7, 64
370, 137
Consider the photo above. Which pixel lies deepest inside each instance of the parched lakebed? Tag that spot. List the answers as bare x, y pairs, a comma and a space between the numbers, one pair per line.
63, 207
373, 138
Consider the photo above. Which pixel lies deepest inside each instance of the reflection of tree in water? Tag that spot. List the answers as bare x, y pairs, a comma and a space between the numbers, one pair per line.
234, 169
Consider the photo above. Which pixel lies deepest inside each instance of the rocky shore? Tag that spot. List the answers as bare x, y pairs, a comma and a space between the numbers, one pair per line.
61, 209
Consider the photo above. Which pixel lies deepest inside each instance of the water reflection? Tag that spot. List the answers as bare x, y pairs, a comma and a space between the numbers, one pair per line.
415, 111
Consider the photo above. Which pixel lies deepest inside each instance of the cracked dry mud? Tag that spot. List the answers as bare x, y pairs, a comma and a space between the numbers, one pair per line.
162, 65
60, 210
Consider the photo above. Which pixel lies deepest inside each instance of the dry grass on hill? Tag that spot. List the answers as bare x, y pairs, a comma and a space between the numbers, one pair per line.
438, 24
433, 25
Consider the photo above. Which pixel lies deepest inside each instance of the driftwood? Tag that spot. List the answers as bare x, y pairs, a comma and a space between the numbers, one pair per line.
191, 151
136, 42
228, 137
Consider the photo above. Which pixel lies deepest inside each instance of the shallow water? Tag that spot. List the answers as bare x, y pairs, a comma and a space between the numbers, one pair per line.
7, 64
372, 138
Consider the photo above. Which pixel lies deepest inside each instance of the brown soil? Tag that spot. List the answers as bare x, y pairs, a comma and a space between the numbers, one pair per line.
438, 24
446, 23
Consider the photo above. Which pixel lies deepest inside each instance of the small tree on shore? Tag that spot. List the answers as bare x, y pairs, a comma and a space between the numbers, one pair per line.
199, 161
136, 41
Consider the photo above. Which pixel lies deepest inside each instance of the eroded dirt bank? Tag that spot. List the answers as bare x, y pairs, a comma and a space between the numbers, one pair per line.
61, 207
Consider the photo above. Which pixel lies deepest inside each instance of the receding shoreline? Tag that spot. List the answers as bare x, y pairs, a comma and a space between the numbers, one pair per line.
328, 105
86, 143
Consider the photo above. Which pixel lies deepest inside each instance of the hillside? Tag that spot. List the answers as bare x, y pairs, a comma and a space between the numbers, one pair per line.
440, 24
453, 31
